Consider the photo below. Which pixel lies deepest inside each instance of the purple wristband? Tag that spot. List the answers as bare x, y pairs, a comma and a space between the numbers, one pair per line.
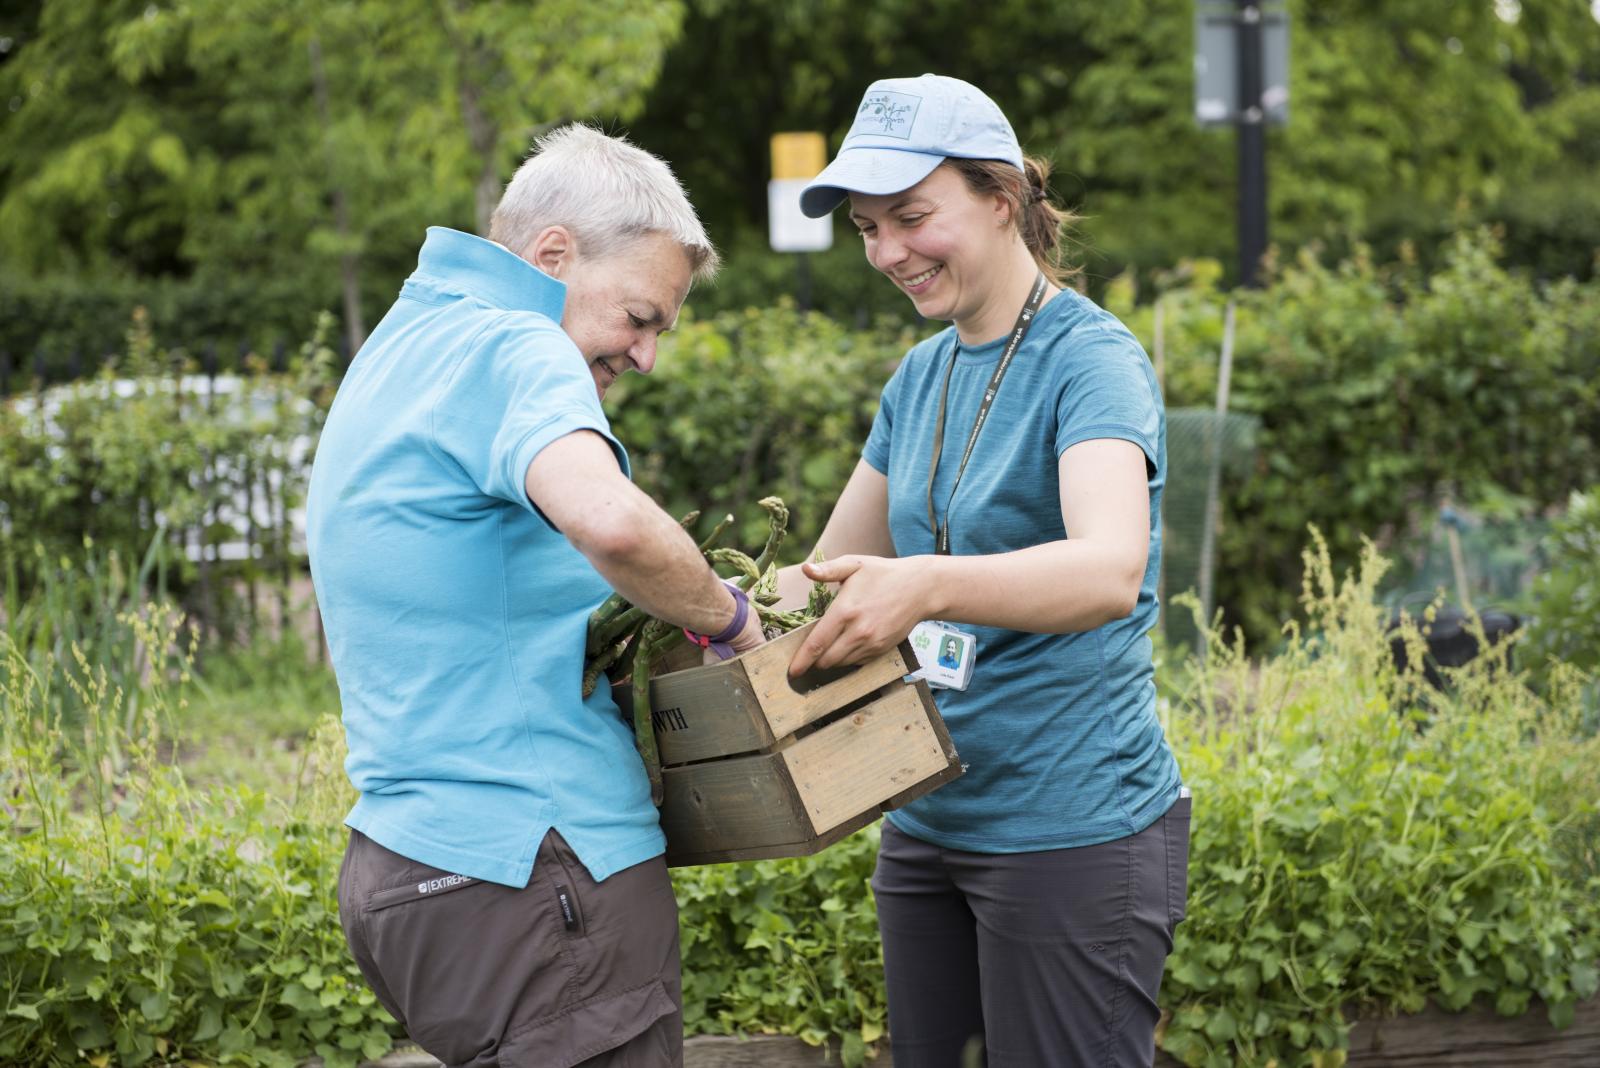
741, 612
719, 643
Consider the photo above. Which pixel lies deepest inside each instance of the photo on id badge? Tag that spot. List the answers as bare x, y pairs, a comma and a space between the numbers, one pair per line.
950, 652
945, 655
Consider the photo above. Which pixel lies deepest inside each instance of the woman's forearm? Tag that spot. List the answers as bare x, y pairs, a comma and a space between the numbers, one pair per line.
1057, 588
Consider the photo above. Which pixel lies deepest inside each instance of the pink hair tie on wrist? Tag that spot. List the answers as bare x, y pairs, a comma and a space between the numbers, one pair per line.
722, 643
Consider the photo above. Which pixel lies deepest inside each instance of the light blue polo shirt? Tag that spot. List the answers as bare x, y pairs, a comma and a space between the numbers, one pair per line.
1058, 731
455, 613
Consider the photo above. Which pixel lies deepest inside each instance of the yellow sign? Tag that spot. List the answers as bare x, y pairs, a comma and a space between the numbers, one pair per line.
798, 155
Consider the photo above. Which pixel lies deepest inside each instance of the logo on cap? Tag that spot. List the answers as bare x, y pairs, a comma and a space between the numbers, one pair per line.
887, 114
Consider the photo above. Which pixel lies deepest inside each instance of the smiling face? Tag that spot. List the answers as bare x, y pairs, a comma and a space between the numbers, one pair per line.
618, 305
944, 246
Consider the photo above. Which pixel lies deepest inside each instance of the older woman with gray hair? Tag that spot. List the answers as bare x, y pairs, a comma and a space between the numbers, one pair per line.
504, 890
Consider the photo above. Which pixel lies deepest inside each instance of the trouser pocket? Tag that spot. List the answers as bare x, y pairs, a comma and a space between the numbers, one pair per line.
1176, 827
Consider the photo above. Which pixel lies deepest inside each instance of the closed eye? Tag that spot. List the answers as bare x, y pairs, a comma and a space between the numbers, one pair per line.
912, 220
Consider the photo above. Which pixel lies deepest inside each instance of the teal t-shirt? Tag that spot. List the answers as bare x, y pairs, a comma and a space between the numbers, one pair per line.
455, 613
1058, 732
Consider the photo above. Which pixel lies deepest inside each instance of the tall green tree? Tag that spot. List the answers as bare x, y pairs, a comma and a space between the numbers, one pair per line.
1427, 110
299, 137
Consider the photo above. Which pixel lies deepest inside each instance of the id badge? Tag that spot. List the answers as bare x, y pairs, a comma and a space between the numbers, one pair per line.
945, 655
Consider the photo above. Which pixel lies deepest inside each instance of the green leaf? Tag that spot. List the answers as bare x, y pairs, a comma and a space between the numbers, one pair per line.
209, 1025
1221, 1025
1585, 979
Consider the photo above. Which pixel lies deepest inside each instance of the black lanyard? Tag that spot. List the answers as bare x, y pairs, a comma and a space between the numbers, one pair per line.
941, 531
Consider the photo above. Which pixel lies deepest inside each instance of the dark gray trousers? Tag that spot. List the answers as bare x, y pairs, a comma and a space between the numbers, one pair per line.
560, 973
1040, 960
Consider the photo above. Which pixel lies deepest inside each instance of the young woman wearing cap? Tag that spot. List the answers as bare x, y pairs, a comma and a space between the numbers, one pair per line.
1010, 488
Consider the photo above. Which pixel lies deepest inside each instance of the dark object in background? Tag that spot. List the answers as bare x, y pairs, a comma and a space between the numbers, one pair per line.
1451, 643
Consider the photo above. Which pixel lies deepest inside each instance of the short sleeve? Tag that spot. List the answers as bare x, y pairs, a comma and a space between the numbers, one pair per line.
879, 438
521, 385
1109, 392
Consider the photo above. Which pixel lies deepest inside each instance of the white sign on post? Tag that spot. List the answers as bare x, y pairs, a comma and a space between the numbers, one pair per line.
788, 229
796, 159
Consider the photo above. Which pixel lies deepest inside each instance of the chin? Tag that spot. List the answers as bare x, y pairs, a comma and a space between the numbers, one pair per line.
934, 309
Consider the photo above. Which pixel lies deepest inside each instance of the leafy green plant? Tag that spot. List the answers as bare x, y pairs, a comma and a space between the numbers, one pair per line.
785, 946
1362, 844
141, 920
1565, 599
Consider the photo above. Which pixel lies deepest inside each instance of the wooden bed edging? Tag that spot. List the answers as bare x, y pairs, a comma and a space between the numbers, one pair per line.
1433, 1038
700, 1051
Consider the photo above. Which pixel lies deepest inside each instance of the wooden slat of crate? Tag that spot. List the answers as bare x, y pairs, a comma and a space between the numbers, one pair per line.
866, 758
723, 806
952, 769
748, 703
811, 793
707, 712
788, 709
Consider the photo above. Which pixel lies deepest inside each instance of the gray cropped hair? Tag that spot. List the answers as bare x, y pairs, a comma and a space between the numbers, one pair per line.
606, 191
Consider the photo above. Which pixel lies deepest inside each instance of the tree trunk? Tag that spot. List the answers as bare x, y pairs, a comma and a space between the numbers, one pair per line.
355, 329
484, 136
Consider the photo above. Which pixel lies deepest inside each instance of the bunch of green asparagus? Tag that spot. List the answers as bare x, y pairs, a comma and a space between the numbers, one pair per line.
620, 631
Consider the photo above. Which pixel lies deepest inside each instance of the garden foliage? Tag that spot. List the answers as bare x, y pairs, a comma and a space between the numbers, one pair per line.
160, 464
1564, 602
1360, 844
1364, 844
1382, 391
744, 404
145, 921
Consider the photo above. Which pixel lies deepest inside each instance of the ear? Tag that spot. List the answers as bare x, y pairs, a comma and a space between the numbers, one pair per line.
552, 250
1002, 209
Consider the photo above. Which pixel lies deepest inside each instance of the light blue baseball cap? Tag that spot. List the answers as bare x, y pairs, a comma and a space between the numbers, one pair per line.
905, 128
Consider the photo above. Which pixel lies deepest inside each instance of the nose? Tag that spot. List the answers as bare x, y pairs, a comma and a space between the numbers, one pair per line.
887, 251
643, 353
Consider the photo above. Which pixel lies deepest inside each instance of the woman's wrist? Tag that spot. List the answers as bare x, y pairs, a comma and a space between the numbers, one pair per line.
935, 587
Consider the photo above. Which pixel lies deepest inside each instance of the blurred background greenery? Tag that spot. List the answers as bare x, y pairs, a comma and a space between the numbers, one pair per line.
238, 165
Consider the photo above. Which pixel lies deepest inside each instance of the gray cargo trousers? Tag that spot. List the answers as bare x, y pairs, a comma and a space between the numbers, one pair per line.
1050, 959
561, 973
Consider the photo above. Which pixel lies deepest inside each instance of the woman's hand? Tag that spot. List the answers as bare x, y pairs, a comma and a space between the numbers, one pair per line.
880, 599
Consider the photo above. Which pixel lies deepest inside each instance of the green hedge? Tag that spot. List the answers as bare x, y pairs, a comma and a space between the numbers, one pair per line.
746, 404
75, 323
1380, 391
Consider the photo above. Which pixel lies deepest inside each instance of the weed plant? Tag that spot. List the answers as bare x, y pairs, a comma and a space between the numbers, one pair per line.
144, 920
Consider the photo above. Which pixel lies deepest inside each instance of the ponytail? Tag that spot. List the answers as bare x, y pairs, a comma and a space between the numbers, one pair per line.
1039, 222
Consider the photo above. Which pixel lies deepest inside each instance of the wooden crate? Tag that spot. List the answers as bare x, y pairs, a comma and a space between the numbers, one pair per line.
755, 767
